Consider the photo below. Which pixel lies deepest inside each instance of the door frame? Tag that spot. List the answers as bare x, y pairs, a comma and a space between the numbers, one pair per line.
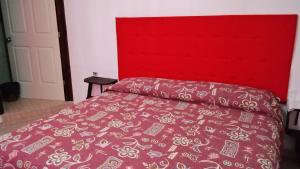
64, 49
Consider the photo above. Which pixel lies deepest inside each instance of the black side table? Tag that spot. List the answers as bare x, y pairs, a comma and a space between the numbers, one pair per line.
297, 111
1, 103
99, 81
294, 133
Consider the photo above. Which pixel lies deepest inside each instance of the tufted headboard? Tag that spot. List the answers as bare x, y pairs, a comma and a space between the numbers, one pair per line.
252, 50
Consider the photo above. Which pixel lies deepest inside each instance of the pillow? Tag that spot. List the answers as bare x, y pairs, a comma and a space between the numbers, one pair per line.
227, 95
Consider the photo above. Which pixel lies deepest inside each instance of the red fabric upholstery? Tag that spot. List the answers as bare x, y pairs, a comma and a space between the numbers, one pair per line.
252, 50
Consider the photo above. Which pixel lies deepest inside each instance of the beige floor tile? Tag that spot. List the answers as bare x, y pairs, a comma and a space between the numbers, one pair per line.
24, 111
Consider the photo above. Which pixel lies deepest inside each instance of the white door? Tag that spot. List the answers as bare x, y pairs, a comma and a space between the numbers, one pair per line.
34, 48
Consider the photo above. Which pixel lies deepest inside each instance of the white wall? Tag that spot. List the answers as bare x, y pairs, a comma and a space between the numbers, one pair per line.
92, 34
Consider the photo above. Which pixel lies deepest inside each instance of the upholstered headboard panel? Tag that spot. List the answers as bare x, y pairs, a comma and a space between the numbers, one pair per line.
252, 50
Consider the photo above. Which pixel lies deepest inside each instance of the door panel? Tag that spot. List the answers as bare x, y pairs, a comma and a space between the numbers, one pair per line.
23, 64
34, 50
16, 14
41, 16
46, 63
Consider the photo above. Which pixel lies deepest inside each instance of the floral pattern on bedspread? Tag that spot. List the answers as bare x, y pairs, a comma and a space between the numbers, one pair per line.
120, 129
236, 96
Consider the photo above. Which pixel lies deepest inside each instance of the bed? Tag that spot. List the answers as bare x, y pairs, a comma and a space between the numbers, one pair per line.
173, 116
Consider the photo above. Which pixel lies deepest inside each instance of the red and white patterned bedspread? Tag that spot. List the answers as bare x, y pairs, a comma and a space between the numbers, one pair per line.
156, 124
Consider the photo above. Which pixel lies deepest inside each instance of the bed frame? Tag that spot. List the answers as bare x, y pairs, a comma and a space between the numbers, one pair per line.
252, 50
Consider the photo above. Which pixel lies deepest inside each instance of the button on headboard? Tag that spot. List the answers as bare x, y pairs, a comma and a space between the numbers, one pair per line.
252, 50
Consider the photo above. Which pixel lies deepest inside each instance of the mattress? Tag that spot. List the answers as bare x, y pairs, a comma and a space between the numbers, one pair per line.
156, 124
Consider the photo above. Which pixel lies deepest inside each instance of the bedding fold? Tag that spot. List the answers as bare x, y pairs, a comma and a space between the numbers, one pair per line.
245, 98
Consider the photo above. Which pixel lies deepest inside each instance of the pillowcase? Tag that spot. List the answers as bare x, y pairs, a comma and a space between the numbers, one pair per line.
227, 95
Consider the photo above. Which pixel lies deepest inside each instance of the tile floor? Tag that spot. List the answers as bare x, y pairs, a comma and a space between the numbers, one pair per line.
23, 111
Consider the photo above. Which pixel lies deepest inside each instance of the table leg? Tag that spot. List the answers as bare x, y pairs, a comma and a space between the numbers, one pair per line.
89, 93
298, 144
1, 104
101, 88
296, 119
1, 108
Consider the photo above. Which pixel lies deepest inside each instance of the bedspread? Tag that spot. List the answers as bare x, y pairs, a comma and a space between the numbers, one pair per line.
154, 124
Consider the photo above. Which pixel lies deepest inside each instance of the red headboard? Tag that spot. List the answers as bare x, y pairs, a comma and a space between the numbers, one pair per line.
252, 50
